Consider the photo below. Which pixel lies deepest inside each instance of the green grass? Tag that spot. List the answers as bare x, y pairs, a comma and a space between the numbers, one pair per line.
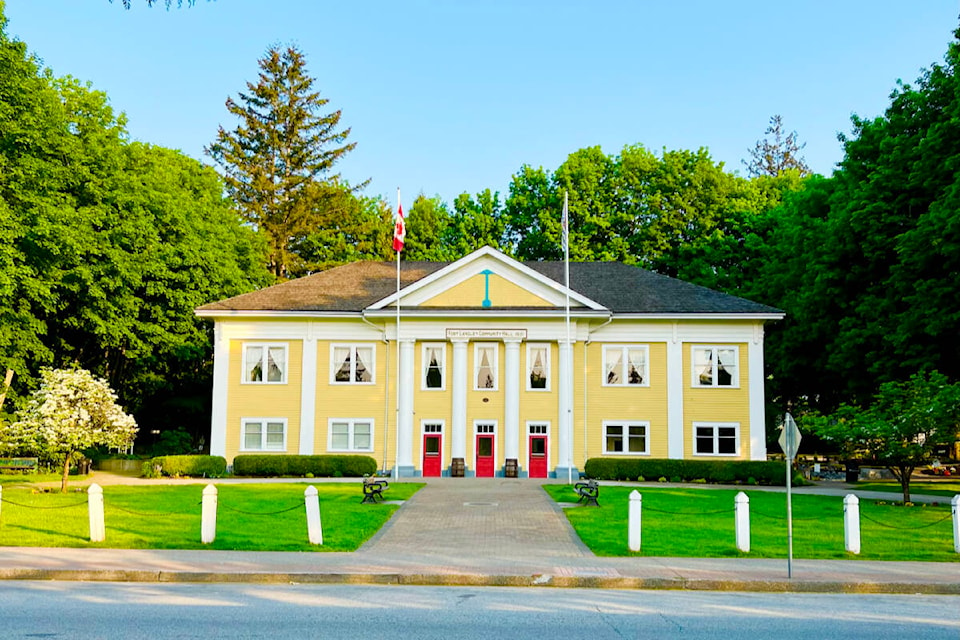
260, 517
948, 488
700, 523
15, 478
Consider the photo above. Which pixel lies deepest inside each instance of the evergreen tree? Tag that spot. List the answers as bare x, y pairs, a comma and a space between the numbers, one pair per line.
772, 157
278, 161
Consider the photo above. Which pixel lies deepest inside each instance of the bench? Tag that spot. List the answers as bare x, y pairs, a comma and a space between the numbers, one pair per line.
373, 489
18, 464
588, 491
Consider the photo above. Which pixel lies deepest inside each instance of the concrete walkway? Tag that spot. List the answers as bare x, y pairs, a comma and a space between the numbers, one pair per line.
478, 532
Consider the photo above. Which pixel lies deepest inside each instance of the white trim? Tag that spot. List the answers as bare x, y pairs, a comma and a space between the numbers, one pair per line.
526, 440
705, 315
624, 360
495, 365
266, 346
755, 386
626, 424
308, 394
425, 421
424, 364
694, 376
263, 434
675, 392
716, 439
548, 369
476, 426
221, 375
351, 434
371, 366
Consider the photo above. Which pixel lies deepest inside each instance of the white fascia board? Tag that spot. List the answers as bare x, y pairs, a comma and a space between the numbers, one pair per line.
301, 315
700, 316
481, 315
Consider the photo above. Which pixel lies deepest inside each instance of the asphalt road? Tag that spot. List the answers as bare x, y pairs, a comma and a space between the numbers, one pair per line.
54, 610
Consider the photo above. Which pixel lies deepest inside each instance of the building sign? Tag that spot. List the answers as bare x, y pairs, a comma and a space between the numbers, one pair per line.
486, 334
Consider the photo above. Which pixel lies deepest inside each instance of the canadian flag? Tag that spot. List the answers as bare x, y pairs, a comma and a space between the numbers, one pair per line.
399, 229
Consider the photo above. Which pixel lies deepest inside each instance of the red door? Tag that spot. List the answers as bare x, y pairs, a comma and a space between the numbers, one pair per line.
484, 455
538, 457
431, 454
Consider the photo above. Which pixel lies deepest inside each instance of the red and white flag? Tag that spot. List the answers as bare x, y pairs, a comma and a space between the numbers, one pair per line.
399, 229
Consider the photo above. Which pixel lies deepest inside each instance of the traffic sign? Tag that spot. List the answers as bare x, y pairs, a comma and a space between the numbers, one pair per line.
789, 437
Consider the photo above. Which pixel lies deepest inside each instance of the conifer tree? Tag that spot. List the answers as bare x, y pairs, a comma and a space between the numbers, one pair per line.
772, 157
278, 161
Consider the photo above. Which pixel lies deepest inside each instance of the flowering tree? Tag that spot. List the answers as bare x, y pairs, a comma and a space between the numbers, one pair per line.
71, 411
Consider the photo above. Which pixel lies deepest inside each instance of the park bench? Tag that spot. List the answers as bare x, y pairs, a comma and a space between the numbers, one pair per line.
588, 490
373, 489
18, 464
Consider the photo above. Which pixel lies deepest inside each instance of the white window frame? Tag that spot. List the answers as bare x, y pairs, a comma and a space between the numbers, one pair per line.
266, 346
625, 350
263, 434
351, 434
353, 346
427, 346
626, 424
715, 358
432, 423
716, 426
531, 346
495, 365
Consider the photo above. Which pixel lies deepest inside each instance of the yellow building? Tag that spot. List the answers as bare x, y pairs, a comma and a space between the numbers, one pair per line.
486, 373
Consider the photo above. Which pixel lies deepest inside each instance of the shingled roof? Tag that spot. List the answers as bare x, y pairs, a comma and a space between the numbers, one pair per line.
619, 287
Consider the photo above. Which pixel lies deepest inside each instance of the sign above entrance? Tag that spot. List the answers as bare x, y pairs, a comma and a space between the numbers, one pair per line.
486, 334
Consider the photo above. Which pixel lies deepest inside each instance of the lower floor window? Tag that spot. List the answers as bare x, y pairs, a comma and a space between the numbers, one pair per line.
719, 439
351, 435
625, 437
264, 434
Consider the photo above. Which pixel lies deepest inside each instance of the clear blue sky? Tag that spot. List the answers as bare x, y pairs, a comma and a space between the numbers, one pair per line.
448, 96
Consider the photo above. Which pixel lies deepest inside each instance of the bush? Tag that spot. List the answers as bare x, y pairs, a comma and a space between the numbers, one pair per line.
331, 466
200, 466
713, 471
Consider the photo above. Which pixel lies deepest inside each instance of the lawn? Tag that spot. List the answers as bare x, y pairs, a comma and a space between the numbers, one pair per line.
679, 522
250, 517
948, 488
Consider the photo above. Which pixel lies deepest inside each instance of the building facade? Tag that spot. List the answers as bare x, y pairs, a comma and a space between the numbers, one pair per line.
491, 367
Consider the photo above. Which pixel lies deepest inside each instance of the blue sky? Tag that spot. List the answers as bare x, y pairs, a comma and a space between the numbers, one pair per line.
450, 96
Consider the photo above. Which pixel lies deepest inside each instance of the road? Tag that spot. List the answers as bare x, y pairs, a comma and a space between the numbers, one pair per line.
54, 610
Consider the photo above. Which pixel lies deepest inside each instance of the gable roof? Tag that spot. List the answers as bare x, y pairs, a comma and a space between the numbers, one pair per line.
621, 288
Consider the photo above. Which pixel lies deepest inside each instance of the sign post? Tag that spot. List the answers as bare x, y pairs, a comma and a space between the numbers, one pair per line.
789, 441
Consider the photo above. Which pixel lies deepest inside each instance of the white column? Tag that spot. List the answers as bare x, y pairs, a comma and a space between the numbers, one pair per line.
308, 394
405, 419
742, 520
511, 399
458, 430
98, 532
218, 410
635, 514
675, 390
565, 400
758, 421
851, 523
955, 512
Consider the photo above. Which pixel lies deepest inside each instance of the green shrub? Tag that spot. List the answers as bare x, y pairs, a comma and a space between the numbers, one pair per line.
714, 471
197, 466
329, 466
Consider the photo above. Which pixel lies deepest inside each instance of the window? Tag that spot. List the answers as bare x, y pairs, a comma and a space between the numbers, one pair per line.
717, 439
434, 359
715, 367
485, 364
264, 434
626, 437
538, 367
625, 366
352, 364
350, 435
264, 363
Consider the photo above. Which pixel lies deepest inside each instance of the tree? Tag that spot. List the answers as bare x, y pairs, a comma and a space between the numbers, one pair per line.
427, 221
278, 160
168, 3
901, 429
71, 411
782, 153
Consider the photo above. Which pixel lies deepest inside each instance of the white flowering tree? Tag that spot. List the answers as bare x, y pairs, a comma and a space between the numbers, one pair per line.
71, 411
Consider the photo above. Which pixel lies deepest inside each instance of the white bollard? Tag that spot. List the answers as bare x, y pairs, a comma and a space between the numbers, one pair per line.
633, 530
208, 518
851, 523
955, 508
1, 498
314, 528
742, 520
98, 532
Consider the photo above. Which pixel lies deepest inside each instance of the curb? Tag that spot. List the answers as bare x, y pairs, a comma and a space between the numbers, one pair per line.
482, 580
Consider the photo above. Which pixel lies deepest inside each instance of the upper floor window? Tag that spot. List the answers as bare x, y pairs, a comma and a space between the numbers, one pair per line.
718, 439
485, 367
264, 363
352, 364
538, 367
351, 435
715, 367
626, 437
434, 359
625, 365
264, 434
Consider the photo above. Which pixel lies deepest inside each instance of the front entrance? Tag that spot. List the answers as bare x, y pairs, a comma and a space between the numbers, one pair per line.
537, 448
485, 450
431, 454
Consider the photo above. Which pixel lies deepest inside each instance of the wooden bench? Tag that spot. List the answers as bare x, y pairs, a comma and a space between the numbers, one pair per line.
588, 491
18, 464
373, 489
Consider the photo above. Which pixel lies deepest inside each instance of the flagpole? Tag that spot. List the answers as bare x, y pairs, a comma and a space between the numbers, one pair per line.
569, 402
396, 457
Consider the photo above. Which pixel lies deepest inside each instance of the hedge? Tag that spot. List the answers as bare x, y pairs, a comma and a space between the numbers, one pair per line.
203, 466
334, 466
770, 472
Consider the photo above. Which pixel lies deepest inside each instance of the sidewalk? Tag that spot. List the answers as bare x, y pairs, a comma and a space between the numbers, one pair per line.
495, 532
